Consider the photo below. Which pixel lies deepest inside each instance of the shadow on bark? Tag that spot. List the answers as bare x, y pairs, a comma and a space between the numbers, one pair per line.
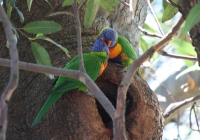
78, 116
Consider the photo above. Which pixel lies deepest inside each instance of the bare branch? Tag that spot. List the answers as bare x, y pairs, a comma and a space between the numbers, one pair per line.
14, 74
173, 107
81, 4
60, 13
195, 114
135, 24
123, 87
82, 76
79, 39
164, 53
151, 9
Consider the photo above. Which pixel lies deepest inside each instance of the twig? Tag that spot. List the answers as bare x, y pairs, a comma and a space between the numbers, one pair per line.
151, 9
193, 108
135, 24
81, 4
173, 107
60, 13
123, 87
124, 2
14, 74
82, 76
79, 39
164, 53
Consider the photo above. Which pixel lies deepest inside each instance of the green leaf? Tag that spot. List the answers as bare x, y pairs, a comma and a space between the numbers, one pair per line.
106, 4
146, 26
12, 2
9, 10
169, 11
21, 16
190, 69
40, 36
29, 3
41, 56
143, 45
90, 13
44, 27
184, 48
67, 3
192, 19
164, 3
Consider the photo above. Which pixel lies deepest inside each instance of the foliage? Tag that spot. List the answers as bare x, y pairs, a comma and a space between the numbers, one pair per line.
169, 10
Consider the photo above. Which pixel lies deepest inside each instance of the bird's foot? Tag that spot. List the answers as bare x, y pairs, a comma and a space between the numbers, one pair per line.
119, 65
89, 93
122, 70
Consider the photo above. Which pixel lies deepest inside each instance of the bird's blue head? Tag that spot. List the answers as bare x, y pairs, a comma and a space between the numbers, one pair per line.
100, 46
109, 36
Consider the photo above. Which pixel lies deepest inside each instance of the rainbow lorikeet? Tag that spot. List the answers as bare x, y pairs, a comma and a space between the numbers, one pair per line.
94, 62
121, 51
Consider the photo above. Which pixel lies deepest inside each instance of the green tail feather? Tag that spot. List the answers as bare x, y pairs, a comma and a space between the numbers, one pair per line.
54, 96
50, 101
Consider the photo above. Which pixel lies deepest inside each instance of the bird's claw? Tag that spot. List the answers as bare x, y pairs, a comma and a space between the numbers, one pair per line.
122, 70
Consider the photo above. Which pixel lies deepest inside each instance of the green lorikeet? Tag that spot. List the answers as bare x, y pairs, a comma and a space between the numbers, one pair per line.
94, 62
121, 51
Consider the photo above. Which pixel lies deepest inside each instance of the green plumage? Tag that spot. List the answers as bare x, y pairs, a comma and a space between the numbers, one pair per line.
92, 63
127, 51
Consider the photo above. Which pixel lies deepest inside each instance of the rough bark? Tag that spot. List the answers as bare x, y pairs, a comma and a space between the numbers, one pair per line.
185, 7
75, 115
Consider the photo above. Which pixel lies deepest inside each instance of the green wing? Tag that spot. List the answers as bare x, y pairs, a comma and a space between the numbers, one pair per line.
127, 48
92, 63
128, 52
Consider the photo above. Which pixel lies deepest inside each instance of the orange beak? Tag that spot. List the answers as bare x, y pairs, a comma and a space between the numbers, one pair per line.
108, 42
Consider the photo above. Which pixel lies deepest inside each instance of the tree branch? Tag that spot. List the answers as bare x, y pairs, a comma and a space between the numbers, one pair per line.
78, 35
151, 9
164, 53
60, 13
119, 117
82, 76
173, 107
14, 74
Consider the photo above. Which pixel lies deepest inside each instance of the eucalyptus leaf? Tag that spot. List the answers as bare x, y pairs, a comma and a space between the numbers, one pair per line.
21, 16
9, 10
40, 36
91, 11
41, 56
44, 27
143, 45
169, 11
183, 47
67, 3
106, 4
192, 19
146, 26
29, 3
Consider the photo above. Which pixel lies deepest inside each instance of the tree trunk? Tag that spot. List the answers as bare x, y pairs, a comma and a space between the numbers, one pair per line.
76, 115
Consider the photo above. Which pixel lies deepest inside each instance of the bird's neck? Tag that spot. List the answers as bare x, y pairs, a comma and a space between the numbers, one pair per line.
115, 51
